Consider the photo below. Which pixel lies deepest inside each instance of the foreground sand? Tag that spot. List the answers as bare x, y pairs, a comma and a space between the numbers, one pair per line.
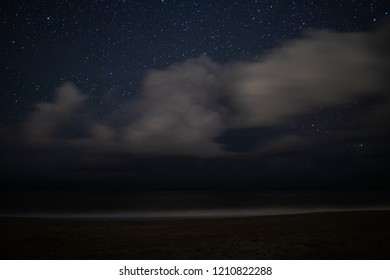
337, 235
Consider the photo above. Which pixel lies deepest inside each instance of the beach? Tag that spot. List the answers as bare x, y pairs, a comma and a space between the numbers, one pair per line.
329, 235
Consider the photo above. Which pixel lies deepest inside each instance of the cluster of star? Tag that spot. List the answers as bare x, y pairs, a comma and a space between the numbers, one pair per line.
109, 45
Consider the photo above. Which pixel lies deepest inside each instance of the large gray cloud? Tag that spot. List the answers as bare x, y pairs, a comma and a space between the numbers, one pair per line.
187, 106
321, 69
179, 109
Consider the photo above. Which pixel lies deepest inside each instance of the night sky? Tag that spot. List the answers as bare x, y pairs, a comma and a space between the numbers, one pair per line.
198, 95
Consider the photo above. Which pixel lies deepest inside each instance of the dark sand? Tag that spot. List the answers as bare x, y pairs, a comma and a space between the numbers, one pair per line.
337, 235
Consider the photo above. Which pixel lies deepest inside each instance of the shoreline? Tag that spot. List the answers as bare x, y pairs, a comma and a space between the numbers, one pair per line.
191, 214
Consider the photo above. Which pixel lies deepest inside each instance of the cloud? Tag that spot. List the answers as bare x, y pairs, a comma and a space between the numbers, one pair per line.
286, 144
186, 107
322, 69
180, 114
48, 126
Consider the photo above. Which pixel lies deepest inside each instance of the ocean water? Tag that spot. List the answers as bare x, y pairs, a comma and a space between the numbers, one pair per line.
159, 205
